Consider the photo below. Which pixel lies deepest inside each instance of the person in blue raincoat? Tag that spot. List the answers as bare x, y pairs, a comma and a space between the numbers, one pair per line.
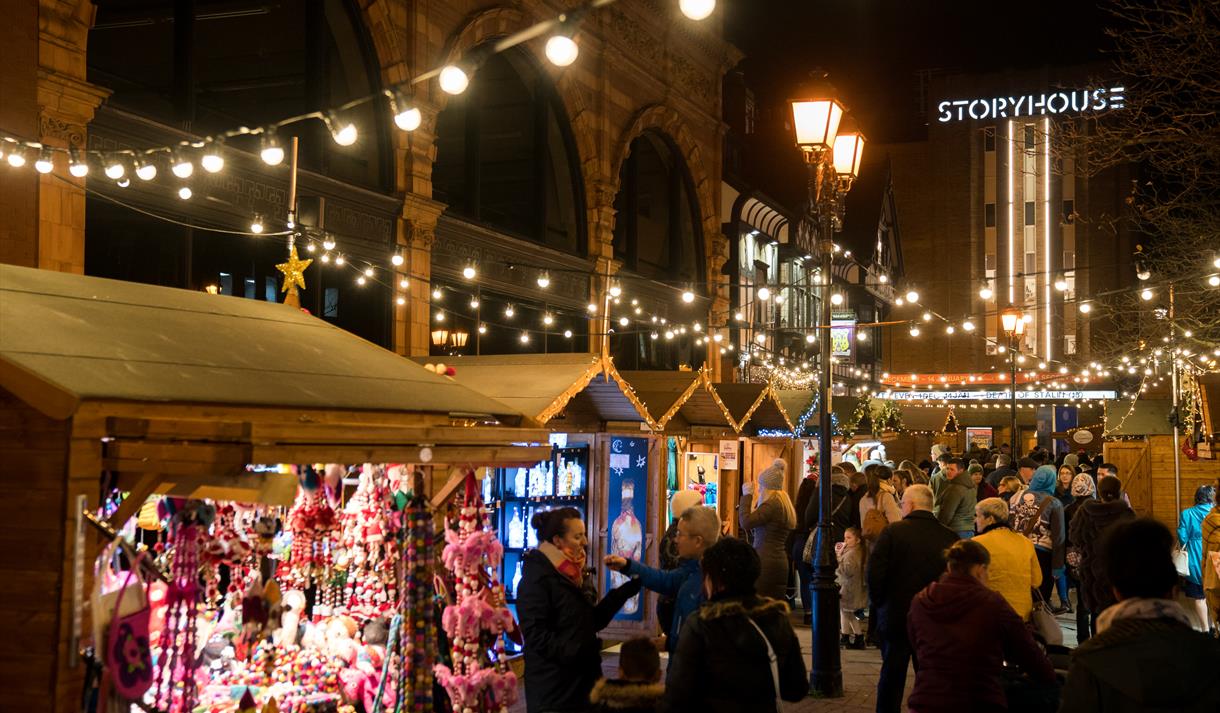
1190, 536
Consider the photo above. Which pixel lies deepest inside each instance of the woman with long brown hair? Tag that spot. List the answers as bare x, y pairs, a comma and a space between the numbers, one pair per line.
770, 517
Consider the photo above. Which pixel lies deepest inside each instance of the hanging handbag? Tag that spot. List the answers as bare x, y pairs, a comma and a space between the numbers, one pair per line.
128, 655
1044, 623
1181, 561
774, 661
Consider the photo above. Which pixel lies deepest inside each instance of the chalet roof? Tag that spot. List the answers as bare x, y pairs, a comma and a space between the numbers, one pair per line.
66, 339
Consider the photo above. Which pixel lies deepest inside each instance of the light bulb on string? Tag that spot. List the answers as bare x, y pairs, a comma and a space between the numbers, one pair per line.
739, 317
985, 291
469, 272
615, 290
592, 308
210, 159
123, 182
561, 50
146, 170
543, 281
950, 329
883, 278
453, 80
256, 225
1146, 295
45, 162
360, 280
404, 283
547, 319
312, 247
509, 311
525, 337
474, 303
270, 149
181, 166
697, 9
836, 298
368, 272
185, 193
396, 259
764, 294
1214, 280
968, 326
328, 243
567, 334
343, 132
78, 165
861, 335
1085, 307
401, 301
810, 339
437, 294
16, 157
1061, 283
325, 258
927, 316
114, 169
912, 296
482, 328
623, 321
914, 330
688, 296
339, 259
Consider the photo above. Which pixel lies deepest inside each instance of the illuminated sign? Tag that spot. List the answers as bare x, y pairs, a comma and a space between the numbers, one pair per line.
1074, 101
843, 334
996, 395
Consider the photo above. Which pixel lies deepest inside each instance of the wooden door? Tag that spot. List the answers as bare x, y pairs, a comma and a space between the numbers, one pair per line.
1134, 462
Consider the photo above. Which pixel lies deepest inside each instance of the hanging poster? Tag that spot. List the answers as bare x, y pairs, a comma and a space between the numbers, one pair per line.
728, 455
627, 511
978, 437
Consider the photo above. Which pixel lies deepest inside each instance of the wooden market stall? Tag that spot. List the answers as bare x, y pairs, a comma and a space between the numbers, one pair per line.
766, 430
602, 434
152, 389
700, 445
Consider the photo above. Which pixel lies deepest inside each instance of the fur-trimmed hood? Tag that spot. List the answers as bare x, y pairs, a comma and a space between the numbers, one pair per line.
750, 606
616, 694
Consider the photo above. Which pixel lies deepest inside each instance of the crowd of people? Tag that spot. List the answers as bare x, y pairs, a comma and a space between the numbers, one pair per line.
949, 567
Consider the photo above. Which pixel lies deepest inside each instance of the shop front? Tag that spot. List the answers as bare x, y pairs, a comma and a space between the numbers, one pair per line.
603, 460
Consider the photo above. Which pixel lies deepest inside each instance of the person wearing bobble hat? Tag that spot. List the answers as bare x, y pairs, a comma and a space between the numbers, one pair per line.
770, 517
560, 615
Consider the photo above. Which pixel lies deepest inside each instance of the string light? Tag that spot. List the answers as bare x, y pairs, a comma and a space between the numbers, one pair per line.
114, 170
185, 193
45, 162
985, 291
270, 149
525, 337
181, 166
404, 283
544, 281
912, 296
396, 260
339, 259
328, 243
968, 326
836, 298
211, 160
343, 133
453, 80
697, 9
469, 272
509, 311
77, 165
256, 225
1146, 295
16, 157
688, 296
1085, 307
764, 294
561, 50
914, 330
146, 170
406, 116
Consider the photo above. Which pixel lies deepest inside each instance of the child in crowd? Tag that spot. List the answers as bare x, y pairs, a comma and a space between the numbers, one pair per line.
853, 593
638, 688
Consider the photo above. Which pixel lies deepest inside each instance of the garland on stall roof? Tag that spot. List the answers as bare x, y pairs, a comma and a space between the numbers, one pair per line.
479, 680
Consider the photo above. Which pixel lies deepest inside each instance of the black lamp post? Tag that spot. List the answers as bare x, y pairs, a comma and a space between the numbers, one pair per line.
1013, 323
833, 162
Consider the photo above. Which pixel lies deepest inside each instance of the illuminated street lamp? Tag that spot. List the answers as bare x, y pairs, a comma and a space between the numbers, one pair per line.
1013, 324
833, 163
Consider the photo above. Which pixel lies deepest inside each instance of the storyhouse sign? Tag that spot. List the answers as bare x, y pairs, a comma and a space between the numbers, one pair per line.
1066, 101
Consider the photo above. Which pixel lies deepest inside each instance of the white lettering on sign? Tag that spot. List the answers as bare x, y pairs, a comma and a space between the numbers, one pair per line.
1061, 102
995, 395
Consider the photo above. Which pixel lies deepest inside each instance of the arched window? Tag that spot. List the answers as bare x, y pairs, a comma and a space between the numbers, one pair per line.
505, 156
657, 232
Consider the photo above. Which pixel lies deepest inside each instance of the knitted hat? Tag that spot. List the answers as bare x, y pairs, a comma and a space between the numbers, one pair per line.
974, 468
1083, 486
684, 500
938, 449
773, 477
1071, 461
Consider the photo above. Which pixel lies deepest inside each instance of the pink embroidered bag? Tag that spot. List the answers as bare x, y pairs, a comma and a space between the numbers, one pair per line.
128, 655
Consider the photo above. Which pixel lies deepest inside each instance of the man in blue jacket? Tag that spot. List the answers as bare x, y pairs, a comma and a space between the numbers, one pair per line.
698, 529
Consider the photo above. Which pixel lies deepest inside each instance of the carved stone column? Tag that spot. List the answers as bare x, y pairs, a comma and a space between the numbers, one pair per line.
416, 235
601, 251
66, 103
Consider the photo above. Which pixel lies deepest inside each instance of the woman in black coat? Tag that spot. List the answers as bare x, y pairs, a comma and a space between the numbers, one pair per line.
723, 664
560, 615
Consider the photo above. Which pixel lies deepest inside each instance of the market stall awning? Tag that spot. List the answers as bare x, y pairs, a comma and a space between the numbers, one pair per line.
573, 387
688, 396
68, 339
754, 407
180, 391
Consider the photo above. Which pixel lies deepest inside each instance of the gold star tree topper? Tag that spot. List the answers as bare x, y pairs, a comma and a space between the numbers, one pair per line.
294, 276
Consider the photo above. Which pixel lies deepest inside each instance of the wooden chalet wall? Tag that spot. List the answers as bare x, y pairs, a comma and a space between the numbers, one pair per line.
34, 558
1146, 469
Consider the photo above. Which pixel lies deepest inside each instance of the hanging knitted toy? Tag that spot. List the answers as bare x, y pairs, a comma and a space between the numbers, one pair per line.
369, 540
174, 689
479, 680
314, 526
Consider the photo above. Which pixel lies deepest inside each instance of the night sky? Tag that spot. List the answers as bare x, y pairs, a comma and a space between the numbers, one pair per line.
873, 48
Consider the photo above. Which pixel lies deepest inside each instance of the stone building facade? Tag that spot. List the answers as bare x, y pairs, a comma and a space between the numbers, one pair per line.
643, 69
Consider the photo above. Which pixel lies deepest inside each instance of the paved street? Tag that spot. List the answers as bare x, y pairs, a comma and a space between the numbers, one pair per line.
860, 671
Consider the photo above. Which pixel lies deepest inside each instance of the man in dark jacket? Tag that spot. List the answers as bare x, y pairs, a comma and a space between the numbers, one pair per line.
963, 632
908, 556
722, 664
955, 502
560, 620
1145, 656
1003, 467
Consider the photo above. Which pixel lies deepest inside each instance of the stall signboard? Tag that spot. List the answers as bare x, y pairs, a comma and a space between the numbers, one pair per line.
1036, 395
728, 455
843, 334
979, 437
627, 511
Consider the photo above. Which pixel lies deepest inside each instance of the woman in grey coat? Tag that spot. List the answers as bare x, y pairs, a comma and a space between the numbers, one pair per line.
770, 517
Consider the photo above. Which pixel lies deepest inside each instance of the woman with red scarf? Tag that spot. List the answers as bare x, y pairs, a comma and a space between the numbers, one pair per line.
560, 615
